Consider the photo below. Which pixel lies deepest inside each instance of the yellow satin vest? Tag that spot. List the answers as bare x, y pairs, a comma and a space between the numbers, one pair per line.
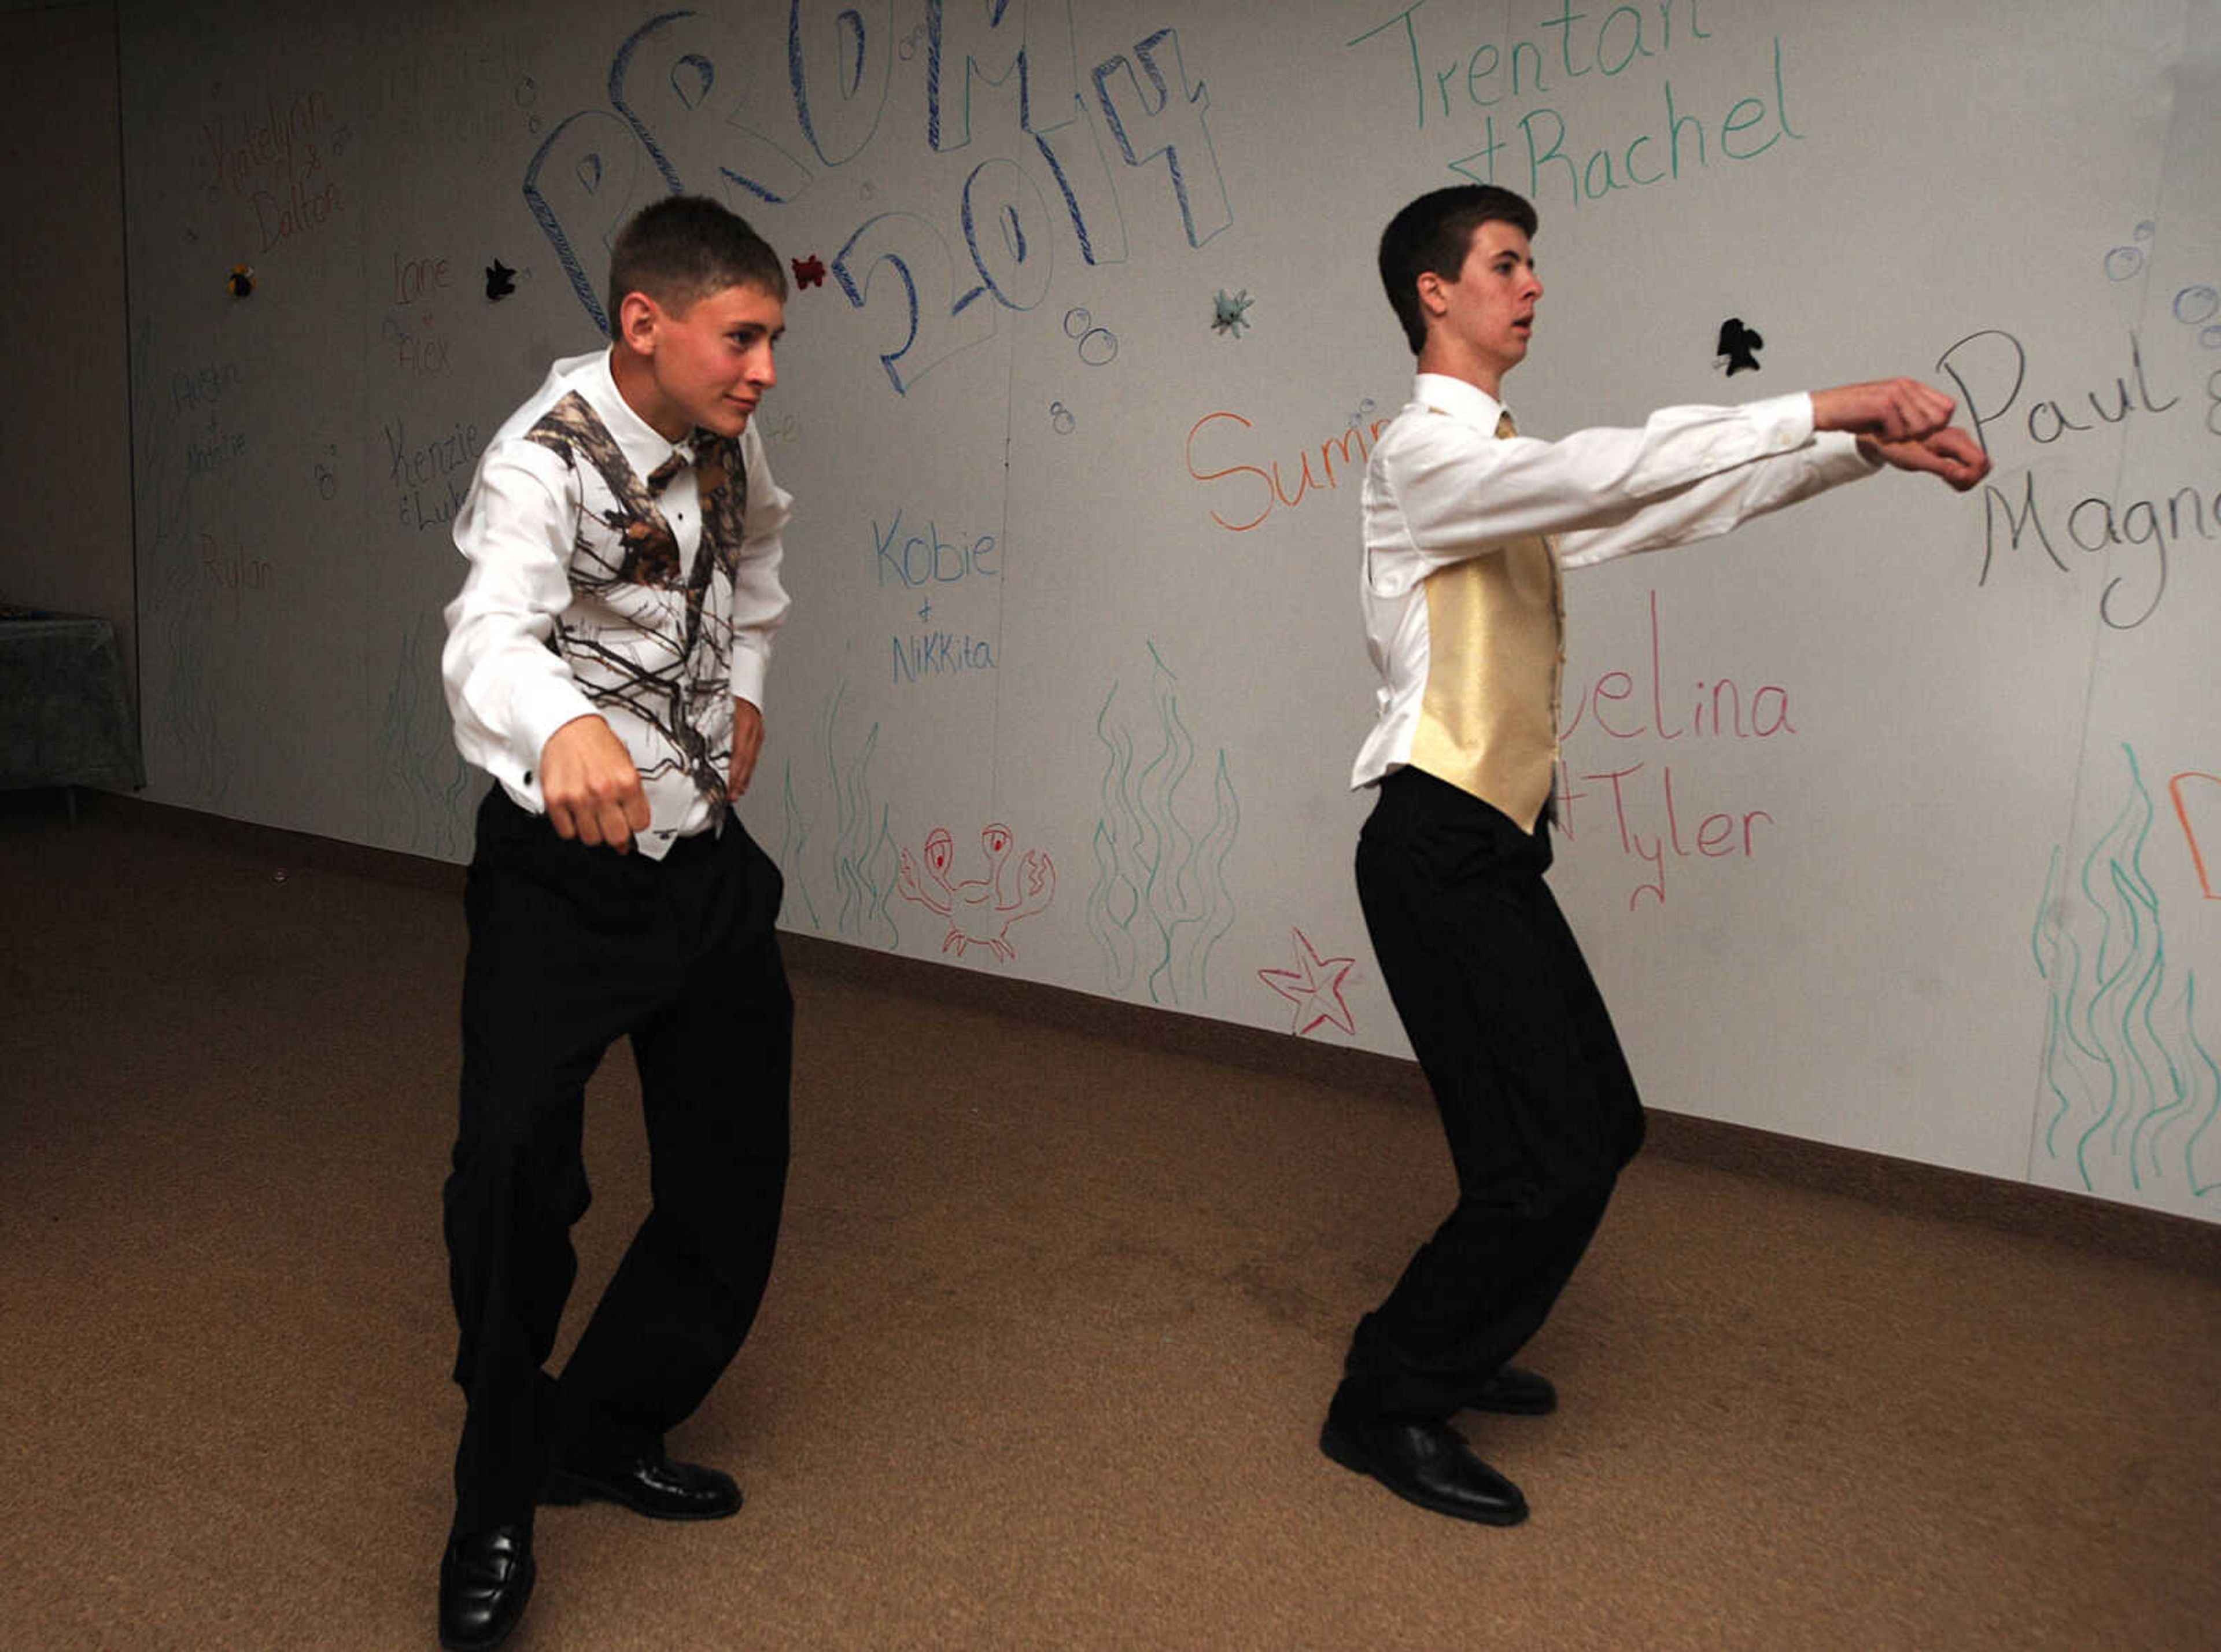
1496, 657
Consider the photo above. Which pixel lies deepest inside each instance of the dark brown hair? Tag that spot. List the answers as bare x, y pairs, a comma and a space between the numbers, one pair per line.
687, 247
1433, 232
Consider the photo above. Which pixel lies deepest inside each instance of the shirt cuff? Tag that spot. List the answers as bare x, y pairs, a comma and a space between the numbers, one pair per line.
746, 673
1839, 454
540, 712
1783, 422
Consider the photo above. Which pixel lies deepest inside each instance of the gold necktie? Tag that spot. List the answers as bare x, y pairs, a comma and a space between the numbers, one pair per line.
1504, 428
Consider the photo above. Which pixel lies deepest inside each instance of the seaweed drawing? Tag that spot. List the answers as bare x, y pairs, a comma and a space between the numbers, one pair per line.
2129, 1081
793, 836
1160, 903
863, 851
418, 802
185, 747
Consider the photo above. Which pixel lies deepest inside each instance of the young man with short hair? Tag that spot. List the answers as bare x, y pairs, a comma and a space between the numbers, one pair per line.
1467, 526
605, 663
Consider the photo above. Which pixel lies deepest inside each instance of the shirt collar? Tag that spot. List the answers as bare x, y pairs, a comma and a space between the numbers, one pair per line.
1459, 397
643, 447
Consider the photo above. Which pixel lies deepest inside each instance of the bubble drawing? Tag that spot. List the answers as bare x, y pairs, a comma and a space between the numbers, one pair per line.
2197, 306
2126, 263
1098, 346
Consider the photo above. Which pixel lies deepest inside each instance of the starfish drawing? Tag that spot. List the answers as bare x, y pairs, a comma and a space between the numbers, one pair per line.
1314, 987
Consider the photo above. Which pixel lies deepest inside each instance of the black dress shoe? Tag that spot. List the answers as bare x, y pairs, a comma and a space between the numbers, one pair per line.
1423, 1461
646, 1482
486, 1578
1514, 1392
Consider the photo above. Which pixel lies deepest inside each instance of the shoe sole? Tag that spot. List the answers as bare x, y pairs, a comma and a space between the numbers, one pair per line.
1544, 1400
566, 1490
1538, 1409
1352, 1456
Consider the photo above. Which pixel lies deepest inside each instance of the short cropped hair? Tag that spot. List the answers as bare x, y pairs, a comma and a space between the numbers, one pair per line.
687, 247
1433, 232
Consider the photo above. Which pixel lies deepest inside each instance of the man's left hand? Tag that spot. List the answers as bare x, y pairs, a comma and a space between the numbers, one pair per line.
748, 742
1950, 453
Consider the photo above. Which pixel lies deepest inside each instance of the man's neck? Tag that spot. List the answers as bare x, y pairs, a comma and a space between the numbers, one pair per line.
1455, 364
635, 382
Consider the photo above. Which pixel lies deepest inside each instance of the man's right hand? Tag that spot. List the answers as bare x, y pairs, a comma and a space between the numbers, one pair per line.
592, 785
1888, 409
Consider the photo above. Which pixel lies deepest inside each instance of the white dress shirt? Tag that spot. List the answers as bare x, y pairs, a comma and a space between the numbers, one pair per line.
1442, 486
548, 629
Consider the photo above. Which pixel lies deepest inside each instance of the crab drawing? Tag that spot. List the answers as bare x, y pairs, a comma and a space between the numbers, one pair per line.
981, 911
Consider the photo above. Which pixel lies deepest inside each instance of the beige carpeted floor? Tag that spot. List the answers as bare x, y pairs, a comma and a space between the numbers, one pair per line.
1043, 1364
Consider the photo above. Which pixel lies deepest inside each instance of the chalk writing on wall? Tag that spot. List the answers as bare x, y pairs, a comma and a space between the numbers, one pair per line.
1472, 88
1634, 795
675, 122
1253, 492
270, 154
922, 565
2024, 519
430, 471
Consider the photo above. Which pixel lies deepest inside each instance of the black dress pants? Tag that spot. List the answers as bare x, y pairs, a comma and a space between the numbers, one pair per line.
572, 948
1534, 1095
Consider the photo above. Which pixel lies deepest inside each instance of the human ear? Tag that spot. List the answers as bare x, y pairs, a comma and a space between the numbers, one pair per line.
638, 318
